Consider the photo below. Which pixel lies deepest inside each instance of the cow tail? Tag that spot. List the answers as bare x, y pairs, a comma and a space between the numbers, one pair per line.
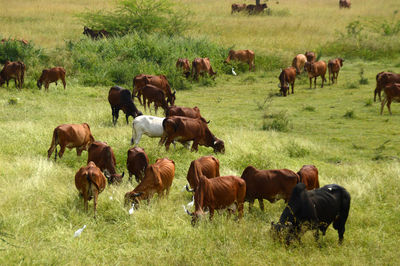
299, 177
91, 180
55, 141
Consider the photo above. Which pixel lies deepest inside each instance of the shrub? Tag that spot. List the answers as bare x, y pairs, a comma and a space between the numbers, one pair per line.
363, 80
349, 114
277, 121
309, 108
296, 150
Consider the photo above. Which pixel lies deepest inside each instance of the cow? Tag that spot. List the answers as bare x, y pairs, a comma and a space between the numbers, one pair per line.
184, 65
309, 176
103, 156
344, 4
154, 95
184, 111
238, 8
218, 193
15, 71
186, 129
271, 185
51, 75
298, 62
245, 56
120, 98
310, 56
334, 66
148, 125
160, 81
286, 78
136, 163
392, 92
71, 136
255, 9
314, 70
207, 166
314, 210
95, 34
201, 66
22, 41
158, 178
90, 182
382, 80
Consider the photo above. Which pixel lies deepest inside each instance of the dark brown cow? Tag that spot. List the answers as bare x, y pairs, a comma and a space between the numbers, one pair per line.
186, 129
314, 70
382, 80
103, 156
334, 66
90, 182
245, 56
183, 63
218, 193
271, 185
298, 62
120, 98
158, 178
255, 9
184, 111
201, 66
15, 71
309, 176
286, 78
154, 95
344, 4
95, 34
392, 92
238, 8
310, 56
207, 166
71, 136
160, 81
51, 75
137, 163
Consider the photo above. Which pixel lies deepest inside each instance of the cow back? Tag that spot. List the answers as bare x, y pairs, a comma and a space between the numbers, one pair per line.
309, 176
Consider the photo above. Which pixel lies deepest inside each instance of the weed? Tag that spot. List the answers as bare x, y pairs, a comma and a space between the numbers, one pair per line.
13, 101
352, 85
363, 80
296, 150
368, 102
349, 114
309, 108
277, 122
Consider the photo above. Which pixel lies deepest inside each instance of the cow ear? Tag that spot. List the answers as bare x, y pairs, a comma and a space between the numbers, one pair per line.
107, 174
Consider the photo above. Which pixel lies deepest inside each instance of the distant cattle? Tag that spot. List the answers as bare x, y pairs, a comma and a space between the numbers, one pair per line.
382, 80
22, 41
286, 78
314, 70
103, 156
153, 94
90, 182
298, 62
71, 136
344, 4
392, 92
238, 8
15, 71
207, 166
245, 56
255, 9
95, 34
310, 56
136, 163
201, 66
184, 65
184, 111
120, 98
309, 176
186, 129
225, 192
271, 185
158, 178
141, 80
334, 66
314, 210
51, 75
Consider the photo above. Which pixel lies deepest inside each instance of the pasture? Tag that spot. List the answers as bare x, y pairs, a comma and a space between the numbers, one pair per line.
337, 128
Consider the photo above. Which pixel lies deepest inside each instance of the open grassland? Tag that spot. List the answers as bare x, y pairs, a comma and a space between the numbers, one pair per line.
338, 128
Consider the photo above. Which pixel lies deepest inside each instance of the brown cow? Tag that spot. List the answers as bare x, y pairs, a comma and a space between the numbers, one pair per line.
95, 34
298, 62
183, 63
287, 76
245, 56
218, 193
201, 66
120, 98
158, 178
271, 185
207, 166
314, 70
238, 7
344, 4
392, 92
160, 81
309, 176
154, 94
22, 41
51, 75
382, 80
103, 156
71, 136
255, 9
137, 163
334, 66
184, 111
310, 56
90, 182
15, 71
186, 129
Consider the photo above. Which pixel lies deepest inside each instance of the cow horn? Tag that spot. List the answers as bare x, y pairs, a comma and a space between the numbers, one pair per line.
208, 122
189, 190
137, 194
123, 173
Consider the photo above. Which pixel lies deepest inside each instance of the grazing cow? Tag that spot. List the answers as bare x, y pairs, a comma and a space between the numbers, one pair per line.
137, 163
183, 63
207, 166
298, 62
334, 66
316, 210
238, 7
154, 94
51, 75
392, 92
309, 176
15, 71
22, 41
120, 98
245, 56
158, 178
310, 56
160, 81
271, 185
255, 9
314, 70
382, 80
186, 129
287, 76
71, 136
95, 34
184, 111
344, 4
218, 193
201, 66
103, 156
90, 182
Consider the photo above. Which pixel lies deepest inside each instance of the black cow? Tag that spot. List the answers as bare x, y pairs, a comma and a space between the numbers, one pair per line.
315, 210
120, 98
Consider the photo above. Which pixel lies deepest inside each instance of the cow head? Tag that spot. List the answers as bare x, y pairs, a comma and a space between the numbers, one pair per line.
219, 146
172, 98
39, 84
284, 89
113, 178
341, 61
308, 66
132, 197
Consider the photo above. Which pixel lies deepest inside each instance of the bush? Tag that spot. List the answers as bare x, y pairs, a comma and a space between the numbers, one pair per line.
277, 121
296, 150
349, 114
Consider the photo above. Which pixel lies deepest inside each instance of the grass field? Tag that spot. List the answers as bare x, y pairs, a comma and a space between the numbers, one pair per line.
337, 128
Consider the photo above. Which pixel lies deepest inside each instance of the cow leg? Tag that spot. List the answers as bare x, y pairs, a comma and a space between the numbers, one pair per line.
61, 152
63, 81
127, 119
195, 146
115, 115
167, 143
50, 151
46, 86
383, 104
261, 203
95, 194
211, 213
240, 209
329, 76
292, 87
389, 102
79, 150
137, 139
251, 203
310, 83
